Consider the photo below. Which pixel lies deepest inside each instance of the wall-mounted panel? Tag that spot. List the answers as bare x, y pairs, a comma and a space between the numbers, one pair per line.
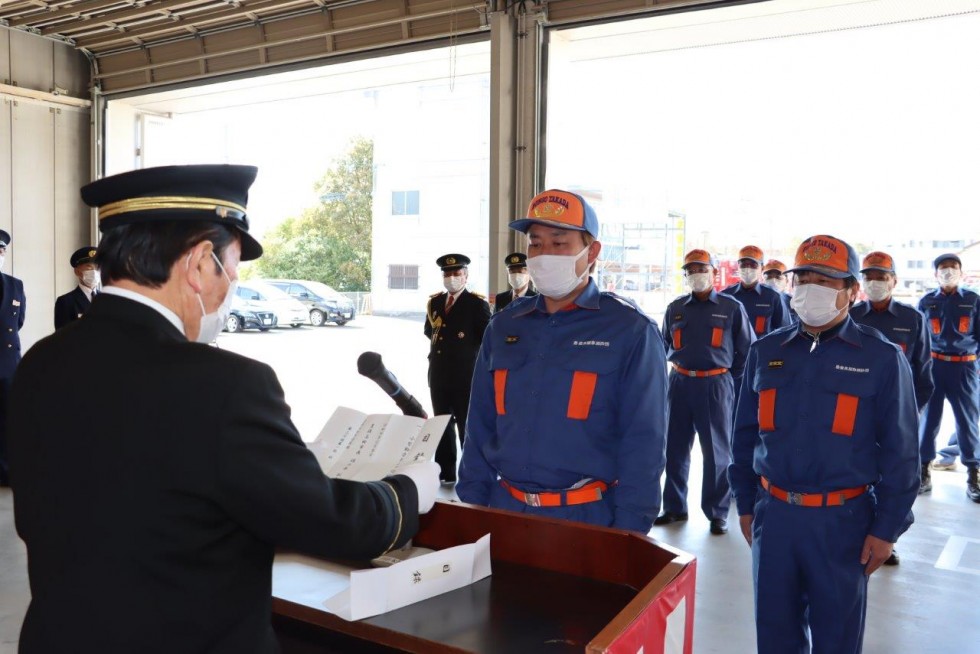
31, 62
32, 233
72, 219
71, 71
5, 206
4, 55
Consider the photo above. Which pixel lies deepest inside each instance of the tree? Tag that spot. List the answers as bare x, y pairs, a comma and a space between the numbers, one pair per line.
331, 242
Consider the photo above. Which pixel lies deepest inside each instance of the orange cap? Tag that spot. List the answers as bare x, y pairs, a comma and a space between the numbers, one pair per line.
774, 264
698, 256
827, 255
559, 209
878, 261
751, 252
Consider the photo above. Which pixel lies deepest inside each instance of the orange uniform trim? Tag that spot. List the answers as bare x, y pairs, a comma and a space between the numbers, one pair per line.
760, 324
677, 338
716, 335
845, 414
954, 357
767, 409
833, 498
936, 325
903, 346
580, 399
964, 324
700, 373
499, 386
591, 492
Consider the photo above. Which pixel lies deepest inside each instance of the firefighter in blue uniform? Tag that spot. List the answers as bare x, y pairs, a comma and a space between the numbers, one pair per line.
454, 324
899, 323
707, 336
952, 318
825, 460
765, 307
569, 392
517, 278
72, 305
774, 272
13, 306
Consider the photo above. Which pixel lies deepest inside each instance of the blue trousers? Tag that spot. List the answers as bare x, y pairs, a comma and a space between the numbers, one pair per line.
956, 382
810, 586
704, 405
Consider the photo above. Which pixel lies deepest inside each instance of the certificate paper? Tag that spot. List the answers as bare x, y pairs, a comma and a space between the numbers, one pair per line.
361, 447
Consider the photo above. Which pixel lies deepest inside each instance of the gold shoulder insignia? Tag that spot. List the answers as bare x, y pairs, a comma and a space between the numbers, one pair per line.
436, 294
479, 295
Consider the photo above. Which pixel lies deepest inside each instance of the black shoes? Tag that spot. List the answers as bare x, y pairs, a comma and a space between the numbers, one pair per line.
893, 559
973, 484
719, 526
925, 480
668, 518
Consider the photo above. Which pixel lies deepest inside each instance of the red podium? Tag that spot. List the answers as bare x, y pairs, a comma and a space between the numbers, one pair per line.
557, 586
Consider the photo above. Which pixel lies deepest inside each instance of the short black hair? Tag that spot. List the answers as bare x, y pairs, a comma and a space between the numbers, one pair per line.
145, 252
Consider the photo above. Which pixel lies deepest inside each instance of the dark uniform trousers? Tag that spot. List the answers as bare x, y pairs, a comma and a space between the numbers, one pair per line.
455, 342
13, 305
152, 527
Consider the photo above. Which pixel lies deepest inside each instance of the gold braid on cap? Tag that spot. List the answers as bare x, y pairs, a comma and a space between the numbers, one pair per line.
220, 207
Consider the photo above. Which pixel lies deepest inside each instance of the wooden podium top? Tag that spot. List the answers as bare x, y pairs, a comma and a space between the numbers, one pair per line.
556, 586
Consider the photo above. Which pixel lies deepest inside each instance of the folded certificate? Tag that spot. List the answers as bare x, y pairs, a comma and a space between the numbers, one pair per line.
361, 447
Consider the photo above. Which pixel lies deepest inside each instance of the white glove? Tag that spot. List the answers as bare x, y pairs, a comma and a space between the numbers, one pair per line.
426, 478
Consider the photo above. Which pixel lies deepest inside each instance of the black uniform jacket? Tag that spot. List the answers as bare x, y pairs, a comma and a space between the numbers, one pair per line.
150, 512
455, 338
13, 306
503, 299
70, 307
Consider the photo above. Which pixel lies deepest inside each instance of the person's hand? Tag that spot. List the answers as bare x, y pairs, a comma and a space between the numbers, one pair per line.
874, 553
426, 477
745, 524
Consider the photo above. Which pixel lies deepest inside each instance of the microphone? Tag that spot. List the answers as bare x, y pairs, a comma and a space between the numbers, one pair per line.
369, 364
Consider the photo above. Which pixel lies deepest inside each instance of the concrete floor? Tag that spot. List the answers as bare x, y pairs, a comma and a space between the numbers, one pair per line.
928, 604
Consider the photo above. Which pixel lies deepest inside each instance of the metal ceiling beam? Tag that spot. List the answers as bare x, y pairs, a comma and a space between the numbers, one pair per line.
67, 11
116, 17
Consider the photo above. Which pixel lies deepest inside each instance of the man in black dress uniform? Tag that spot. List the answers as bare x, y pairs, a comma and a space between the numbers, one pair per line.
13, 306
455, 322
517, 277
151, 519
72, 305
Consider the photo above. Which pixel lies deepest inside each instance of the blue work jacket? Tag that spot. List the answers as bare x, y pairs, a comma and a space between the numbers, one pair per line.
953, 321
832, 417
559, 398
765, 307
703, 335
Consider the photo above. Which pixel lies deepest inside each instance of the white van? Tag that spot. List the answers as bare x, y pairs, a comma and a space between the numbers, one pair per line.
259, 295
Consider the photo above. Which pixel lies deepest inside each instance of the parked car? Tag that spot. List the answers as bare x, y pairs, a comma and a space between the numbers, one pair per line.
243, 316
260, 295
324, 303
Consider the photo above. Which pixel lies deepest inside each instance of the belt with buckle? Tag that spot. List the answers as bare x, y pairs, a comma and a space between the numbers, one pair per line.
957, 358
591, 492
700, 373
833, 498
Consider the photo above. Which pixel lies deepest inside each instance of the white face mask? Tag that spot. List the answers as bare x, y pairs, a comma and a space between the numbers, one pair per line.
517, 281
877, 290
212, 323
948, 276
90, 278
749, 275
775, 283
2, 257
554, 275
699, 282
454, 284
816, 305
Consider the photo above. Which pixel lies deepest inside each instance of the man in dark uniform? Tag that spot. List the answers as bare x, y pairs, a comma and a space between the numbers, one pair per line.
13, 306
824, 460
518, 278
901, 324
152, 520
455, 322
952, 317
707, 337
72, 305
765, 306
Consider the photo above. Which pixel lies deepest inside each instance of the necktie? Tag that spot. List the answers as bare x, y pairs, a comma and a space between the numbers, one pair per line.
449, 303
